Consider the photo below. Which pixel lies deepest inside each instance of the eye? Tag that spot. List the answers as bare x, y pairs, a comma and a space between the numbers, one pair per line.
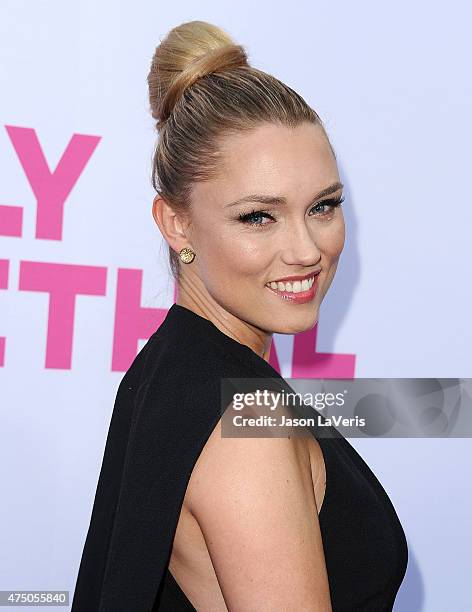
331, 204
254, 217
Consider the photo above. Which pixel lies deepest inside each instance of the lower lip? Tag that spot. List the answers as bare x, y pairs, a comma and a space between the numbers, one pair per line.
297, 298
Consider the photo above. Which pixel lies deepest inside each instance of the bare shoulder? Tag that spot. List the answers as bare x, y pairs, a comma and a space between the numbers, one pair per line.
253, 499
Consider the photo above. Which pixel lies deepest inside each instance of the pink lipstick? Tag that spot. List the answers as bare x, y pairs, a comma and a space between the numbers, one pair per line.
296, 289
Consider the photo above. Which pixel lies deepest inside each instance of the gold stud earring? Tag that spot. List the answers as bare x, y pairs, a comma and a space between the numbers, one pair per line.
187, 255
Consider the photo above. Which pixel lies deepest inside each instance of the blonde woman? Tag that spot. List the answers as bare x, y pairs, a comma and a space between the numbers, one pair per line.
249, 202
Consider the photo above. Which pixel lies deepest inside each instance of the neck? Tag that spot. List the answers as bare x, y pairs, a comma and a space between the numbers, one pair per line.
234, 327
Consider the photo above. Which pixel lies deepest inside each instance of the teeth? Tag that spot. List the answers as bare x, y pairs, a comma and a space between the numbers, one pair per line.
295, 287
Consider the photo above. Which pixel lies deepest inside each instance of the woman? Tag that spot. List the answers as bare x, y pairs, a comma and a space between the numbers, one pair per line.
184, 518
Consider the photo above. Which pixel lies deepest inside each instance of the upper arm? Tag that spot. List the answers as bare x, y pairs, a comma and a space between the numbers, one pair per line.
253, 499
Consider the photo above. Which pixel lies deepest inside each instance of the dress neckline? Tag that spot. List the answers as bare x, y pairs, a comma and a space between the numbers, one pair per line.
230, 345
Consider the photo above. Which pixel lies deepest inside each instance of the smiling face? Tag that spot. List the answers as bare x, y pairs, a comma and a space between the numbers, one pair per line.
244, 247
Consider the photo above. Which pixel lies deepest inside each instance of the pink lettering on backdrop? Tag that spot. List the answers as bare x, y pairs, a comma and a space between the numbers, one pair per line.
133, 322
3, 285
50, 188
63, 282
273, 358
307, 363
11, 220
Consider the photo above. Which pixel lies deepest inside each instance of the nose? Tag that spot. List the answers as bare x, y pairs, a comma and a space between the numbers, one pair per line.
300, 246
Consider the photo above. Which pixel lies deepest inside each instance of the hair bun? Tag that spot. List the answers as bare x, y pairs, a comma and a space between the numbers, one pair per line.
188, 53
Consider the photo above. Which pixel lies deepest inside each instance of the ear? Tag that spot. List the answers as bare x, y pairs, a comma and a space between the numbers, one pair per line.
173, 226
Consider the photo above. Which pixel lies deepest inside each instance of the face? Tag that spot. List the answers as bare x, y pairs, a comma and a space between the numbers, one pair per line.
244, 249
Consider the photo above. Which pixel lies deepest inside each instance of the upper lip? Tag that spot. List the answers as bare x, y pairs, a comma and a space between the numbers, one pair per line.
296, 278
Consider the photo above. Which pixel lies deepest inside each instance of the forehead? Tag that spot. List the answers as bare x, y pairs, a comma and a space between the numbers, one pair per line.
273, 159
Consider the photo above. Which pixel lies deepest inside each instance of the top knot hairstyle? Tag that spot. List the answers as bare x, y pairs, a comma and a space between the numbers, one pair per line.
202, 89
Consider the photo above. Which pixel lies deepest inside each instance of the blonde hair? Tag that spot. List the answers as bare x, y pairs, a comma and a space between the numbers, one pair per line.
202, 89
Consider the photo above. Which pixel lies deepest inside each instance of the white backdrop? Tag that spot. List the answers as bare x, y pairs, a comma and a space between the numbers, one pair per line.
80, 253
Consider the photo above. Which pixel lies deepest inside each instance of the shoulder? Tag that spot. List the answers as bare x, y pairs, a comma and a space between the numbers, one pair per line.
253, 499
186, 364
224, 462
175, 383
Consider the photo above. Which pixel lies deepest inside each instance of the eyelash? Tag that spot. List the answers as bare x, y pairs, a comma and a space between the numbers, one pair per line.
246, 217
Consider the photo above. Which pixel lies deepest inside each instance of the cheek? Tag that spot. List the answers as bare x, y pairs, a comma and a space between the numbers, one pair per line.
246, 256
233, 253
330, 239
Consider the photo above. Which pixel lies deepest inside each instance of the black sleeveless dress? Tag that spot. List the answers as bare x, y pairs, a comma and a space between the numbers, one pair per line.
166, 407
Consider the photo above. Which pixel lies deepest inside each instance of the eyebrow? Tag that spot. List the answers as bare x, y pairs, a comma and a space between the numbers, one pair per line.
277, 200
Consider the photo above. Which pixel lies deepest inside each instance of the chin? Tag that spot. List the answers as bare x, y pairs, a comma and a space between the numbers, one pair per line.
296, 325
